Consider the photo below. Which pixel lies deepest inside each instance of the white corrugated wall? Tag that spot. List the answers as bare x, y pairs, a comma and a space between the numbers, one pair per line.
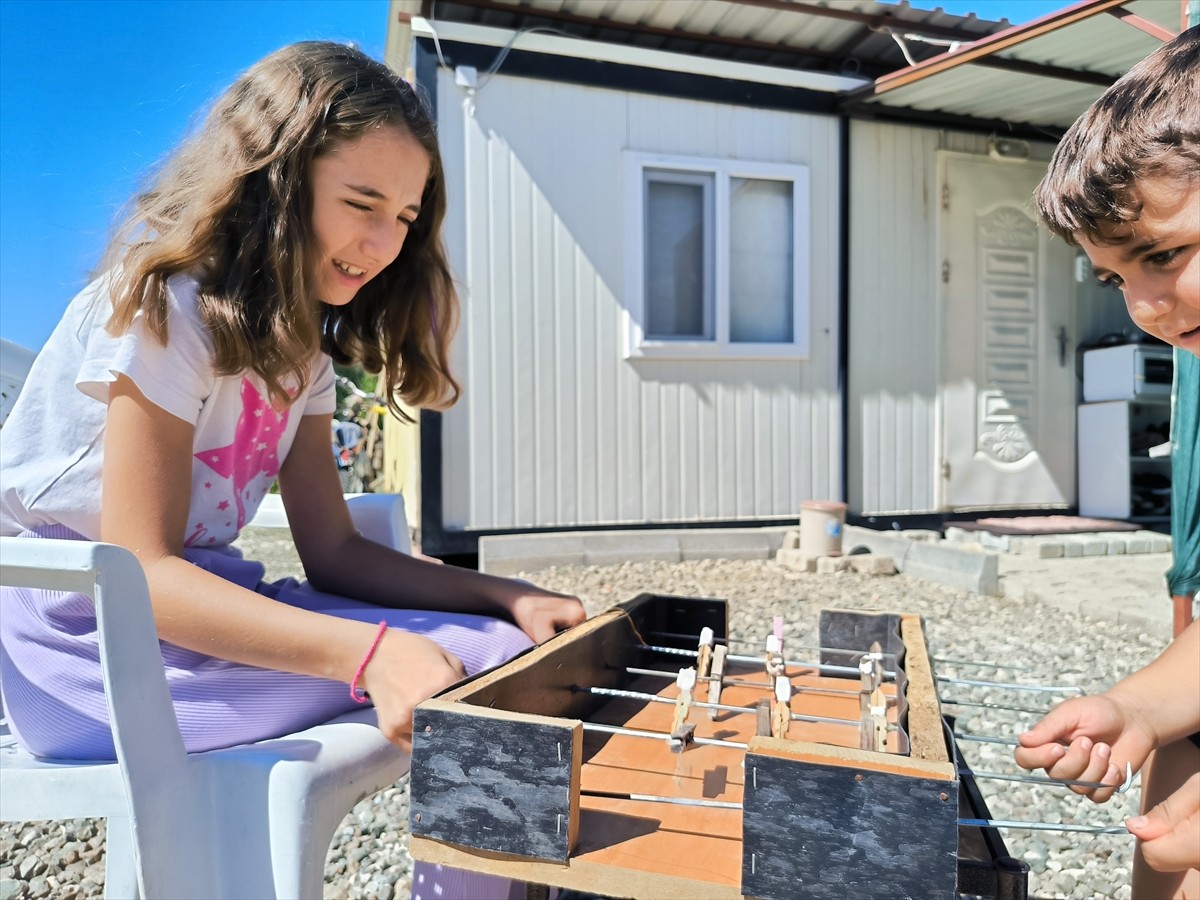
557, 428
894, 320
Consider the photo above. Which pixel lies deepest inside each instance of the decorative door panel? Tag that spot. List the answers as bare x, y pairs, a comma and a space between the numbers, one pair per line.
1008, 395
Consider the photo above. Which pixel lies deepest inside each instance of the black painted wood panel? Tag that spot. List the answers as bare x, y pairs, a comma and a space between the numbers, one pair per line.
834, 832
496, 784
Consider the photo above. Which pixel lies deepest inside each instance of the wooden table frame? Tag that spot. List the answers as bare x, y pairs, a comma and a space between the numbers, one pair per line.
504, 777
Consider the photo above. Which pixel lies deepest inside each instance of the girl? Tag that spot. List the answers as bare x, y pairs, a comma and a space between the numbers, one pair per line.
302, 223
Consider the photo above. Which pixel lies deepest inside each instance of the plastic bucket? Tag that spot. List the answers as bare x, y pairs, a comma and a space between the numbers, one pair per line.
821, 523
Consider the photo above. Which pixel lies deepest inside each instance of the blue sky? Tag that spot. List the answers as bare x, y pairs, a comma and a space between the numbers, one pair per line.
93, 92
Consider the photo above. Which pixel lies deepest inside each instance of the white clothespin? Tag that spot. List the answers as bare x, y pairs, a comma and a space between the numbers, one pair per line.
681, 731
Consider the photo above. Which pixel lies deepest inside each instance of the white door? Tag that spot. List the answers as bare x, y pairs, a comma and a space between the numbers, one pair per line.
1008, 376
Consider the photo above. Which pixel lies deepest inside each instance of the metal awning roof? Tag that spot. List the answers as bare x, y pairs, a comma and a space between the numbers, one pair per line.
842, 37
926, 66
1041, 74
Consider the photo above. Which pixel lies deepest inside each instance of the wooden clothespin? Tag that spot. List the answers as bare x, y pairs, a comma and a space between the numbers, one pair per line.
781, 717
872, 702
716, 676
681, 731
762, 717
704, 653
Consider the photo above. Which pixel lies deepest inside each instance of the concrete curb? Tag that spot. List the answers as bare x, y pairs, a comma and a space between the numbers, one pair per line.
963, 566
511, 553
954, 565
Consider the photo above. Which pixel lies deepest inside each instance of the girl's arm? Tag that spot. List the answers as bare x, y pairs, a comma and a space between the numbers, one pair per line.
339, 560
146, 494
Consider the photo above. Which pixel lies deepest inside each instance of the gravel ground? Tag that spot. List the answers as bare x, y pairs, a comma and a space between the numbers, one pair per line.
369, 858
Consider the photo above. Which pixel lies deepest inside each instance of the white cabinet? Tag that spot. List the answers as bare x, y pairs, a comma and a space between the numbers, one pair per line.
1118, 479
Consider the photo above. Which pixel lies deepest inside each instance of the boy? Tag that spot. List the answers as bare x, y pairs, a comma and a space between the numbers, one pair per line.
1124, 185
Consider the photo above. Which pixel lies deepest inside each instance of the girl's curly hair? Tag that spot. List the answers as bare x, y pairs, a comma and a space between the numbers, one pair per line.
233, 206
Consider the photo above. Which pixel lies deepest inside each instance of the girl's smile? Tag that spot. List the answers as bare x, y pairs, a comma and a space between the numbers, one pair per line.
366, 195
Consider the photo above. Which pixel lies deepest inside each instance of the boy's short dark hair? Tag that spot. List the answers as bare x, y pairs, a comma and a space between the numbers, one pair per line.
1146, 124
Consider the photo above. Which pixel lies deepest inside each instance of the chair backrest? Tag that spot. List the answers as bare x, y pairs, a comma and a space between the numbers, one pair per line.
15, 362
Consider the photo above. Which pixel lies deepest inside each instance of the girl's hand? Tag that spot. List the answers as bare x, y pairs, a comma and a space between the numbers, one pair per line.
1089, 739
541, 614
1170, 832
406, 669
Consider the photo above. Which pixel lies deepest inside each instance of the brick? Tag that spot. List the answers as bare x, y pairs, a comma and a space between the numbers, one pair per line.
922, 534
961, 535
1047, 550
828, 565
793, 558
791, 540
1159, 543
873, 564
1137, 544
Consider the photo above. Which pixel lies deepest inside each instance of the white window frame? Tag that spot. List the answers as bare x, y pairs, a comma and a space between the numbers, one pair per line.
637, 344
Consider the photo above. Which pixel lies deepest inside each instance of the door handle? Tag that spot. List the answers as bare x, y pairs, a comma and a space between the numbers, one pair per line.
1062, 345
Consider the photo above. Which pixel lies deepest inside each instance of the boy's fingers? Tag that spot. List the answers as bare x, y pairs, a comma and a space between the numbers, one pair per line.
1042, 756
1170, 832
1056, 725
1176, 850
1075, 761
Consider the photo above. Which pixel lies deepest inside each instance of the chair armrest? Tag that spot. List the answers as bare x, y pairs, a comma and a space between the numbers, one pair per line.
145, 730
381, 518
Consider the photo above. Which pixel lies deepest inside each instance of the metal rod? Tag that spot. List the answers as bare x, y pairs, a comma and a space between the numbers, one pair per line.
937, 659
655, 698
794, 663
987, 739
651, 798
743, 643
977, 823
1045, 826
1065, 782
982, 665
631, 732
985, 705
742, 682
1043, 688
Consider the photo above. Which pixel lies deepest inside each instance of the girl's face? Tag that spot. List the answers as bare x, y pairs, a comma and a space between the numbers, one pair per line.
366, 194
1156, 261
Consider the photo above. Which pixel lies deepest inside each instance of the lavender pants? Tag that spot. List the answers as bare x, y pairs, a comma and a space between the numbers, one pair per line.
54, 696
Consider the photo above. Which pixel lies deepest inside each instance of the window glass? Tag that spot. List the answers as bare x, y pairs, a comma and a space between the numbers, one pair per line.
761, 305
678, 256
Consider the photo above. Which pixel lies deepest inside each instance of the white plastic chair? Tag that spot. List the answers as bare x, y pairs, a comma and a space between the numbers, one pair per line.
249, 821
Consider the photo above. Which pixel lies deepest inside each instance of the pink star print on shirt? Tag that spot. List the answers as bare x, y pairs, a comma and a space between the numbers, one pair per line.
251, 462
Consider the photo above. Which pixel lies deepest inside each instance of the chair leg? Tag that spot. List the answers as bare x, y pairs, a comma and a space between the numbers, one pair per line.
120, 866
1182, 617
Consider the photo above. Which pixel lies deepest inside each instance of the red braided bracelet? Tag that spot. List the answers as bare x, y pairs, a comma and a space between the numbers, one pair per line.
354, 692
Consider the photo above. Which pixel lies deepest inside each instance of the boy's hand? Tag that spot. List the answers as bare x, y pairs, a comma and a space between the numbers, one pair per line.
1170, 832
1087, 739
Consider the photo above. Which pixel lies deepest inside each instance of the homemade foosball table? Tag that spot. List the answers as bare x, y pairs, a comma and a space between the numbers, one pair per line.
639, 755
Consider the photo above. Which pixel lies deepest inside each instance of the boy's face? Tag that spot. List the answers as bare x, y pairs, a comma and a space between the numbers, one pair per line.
1156, 261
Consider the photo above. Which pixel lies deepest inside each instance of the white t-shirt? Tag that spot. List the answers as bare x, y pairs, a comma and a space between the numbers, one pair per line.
52, 444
